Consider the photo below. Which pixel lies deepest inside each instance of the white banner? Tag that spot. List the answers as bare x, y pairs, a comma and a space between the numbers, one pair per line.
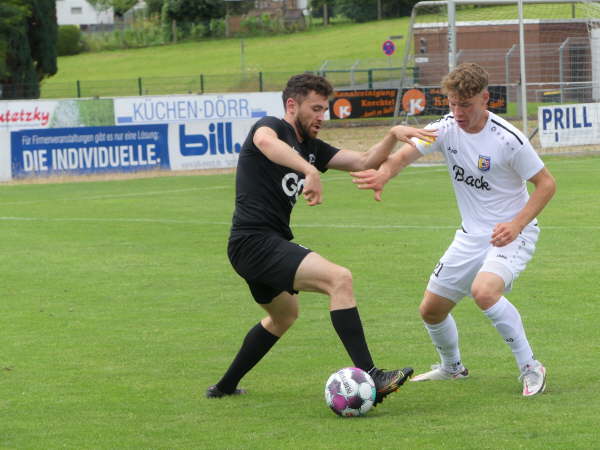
567, 125
204, 144
186, 108
27, 114
18, 115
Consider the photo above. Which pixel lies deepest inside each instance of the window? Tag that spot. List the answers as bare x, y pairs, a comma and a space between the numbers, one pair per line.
77, 10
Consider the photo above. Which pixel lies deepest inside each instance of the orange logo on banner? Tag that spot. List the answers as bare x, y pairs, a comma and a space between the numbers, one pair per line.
342, 108
414, 102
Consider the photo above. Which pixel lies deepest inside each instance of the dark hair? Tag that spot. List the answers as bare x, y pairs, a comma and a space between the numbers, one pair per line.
466, 80
299, 86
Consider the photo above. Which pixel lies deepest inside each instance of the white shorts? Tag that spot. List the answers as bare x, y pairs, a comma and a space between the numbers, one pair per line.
470, 254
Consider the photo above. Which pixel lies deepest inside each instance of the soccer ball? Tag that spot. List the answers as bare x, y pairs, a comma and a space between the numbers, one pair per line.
350, 392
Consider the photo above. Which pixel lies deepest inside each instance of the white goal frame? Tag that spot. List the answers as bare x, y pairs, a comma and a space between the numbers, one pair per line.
452, 47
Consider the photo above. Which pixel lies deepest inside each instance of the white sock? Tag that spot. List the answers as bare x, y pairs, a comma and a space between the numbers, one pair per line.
444, 336
507, 320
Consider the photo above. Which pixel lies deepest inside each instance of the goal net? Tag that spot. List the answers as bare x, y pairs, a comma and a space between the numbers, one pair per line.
562, 61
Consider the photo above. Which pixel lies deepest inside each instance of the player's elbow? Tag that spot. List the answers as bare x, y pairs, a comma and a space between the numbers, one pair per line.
364, 163
548, 186
264, 138
261, 140
552, 186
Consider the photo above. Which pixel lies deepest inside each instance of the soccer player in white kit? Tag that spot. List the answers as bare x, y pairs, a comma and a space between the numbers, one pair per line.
489, 162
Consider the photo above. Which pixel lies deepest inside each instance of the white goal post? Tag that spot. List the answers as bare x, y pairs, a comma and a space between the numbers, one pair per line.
537, 51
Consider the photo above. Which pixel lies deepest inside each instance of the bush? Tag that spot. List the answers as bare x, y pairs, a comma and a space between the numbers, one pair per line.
217, 27
262, 25
366, 10
142, 33
197, 31
69, 40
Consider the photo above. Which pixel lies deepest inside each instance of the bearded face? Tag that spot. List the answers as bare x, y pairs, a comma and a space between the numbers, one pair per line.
309, 115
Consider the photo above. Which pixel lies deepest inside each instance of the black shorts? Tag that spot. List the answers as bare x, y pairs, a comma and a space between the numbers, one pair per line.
267, 262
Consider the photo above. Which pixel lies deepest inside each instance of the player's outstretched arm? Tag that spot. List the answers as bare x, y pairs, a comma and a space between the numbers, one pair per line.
371, 159
376, 179
281, 153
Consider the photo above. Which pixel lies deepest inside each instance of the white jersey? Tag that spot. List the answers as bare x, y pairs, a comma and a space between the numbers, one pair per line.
489, 169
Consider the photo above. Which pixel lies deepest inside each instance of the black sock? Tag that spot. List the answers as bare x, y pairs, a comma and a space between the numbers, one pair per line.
256, 344
349, 328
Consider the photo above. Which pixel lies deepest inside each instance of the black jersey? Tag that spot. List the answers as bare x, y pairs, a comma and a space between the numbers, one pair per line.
266, 192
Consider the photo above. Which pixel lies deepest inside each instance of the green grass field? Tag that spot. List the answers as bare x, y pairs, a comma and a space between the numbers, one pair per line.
278, 53
119, 308
306, 50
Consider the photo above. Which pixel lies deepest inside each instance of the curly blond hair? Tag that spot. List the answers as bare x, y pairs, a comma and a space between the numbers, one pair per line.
466, 80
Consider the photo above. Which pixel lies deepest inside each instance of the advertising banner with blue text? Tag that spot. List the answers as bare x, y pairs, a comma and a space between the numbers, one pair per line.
568, 125
185, 108
41, 114
206, 144
205, 131
89, 150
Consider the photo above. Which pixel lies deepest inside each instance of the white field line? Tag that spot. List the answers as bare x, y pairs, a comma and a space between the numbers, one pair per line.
423, 168
297, 225
111, 196
173, 191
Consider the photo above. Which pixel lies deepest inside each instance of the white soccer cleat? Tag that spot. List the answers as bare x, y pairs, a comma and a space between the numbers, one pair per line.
534, 379
438, 373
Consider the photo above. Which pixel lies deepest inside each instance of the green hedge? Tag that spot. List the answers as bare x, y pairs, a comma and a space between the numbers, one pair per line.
69, 40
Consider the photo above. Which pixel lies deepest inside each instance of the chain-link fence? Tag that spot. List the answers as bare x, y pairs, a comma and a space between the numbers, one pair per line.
342, 78
193, 84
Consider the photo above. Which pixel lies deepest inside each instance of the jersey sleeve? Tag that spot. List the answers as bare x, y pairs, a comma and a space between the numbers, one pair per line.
323, 152
527, 162
425, 147
271, 122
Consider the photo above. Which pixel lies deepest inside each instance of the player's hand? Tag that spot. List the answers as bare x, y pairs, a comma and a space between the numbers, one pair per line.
504, 233
313, 191
370, 179
405, 134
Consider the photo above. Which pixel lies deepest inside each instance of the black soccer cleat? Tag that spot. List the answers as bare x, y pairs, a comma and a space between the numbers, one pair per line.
215, 392
388, 382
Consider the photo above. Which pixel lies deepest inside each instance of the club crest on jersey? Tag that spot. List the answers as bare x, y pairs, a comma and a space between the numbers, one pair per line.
484, 163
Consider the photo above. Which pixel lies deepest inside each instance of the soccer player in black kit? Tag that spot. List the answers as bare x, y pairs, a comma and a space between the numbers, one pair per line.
279, 161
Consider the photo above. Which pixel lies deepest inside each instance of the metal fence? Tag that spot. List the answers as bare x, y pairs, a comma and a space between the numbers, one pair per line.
367, 78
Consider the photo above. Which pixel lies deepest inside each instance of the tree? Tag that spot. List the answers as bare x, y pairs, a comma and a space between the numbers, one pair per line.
28, 46
322, 8
193, 13
197, 10
367, 10
12, 15
120, 7
154, 6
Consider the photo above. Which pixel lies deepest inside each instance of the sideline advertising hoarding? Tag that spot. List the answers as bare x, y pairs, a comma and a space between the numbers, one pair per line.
568, 125
22, 114
206, 144
90, 136
362, 104
89, 150
42, 114
205, 131
186, 108
432, 101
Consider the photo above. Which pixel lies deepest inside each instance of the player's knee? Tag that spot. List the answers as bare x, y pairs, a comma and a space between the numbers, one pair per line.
342, 281
484, 296
284, 322
431, 315
288, 321
426, 314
